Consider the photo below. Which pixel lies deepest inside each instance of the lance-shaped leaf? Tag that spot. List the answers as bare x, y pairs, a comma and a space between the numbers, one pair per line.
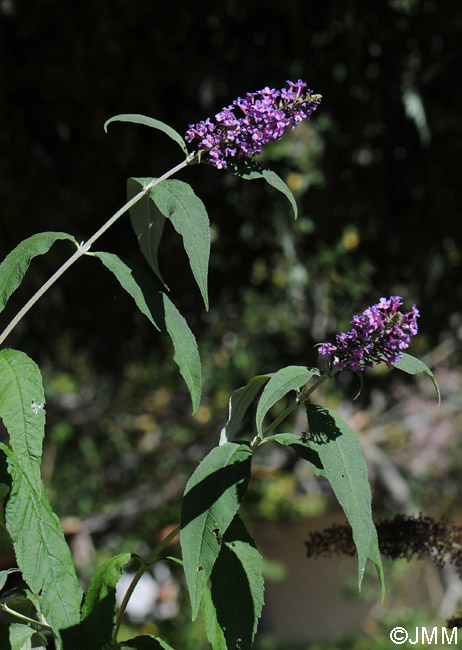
239, 403
177, 201
250, 170
345, 468
15, 265
413, 366
298, 444
237, 587
211, 499
281, 383
212, 627
148, 223
41, 551
163, 314
99, 606
146, 642
134, 118
22, 402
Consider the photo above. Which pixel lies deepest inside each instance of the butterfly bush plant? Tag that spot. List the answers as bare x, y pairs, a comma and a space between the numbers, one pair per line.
222, 566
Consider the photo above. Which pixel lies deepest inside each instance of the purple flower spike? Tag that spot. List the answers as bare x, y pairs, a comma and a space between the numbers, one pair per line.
242, 128
380, 334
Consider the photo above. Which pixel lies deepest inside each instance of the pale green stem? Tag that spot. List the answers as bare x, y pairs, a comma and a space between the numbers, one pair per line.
137, 577
21, 617
301, 399
84, 247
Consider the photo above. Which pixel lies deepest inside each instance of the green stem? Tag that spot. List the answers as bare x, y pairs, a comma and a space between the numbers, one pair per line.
136, 578
26, 619
84, 247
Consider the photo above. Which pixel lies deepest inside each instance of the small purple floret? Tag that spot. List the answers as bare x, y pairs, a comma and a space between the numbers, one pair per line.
242, 128
380, 334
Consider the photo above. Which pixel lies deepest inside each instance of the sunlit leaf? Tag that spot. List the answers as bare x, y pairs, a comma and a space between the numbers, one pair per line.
239, 403
249, 169
99, 606
15, 265
281, 383
211, 499
345, 468
152, 123
22, 409
177, 201
41, 551
163, 314
413, 366
212, 627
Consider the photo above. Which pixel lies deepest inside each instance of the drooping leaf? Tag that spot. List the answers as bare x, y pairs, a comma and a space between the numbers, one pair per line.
146, 642
212, 627
237, 587
250, 169
151, 122
41, 550
4, 576
281, 383
211, 499
177, 201
163, 314
186, 352
99, 606
301, 447
345, 468
22, 402
148, 223
239, 403
15, 265
413, 366
137, 283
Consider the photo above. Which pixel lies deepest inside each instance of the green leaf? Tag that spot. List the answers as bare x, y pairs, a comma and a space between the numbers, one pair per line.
137, 283
22, 402
99, 606
412, 366
186, 353
176, 201
15, 265
250, 170
151, 122
211, 499
146, 642
42, 553
237, 587
281, 382
239, 403
17, 636
296, 442
345, 468
163, 314
212, 628
148, 223
4, 576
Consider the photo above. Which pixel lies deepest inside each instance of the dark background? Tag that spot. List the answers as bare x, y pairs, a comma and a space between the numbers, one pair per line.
66, 67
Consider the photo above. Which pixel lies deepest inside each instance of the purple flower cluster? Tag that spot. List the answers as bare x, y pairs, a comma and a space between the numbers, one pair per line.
250, 122
378, 335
